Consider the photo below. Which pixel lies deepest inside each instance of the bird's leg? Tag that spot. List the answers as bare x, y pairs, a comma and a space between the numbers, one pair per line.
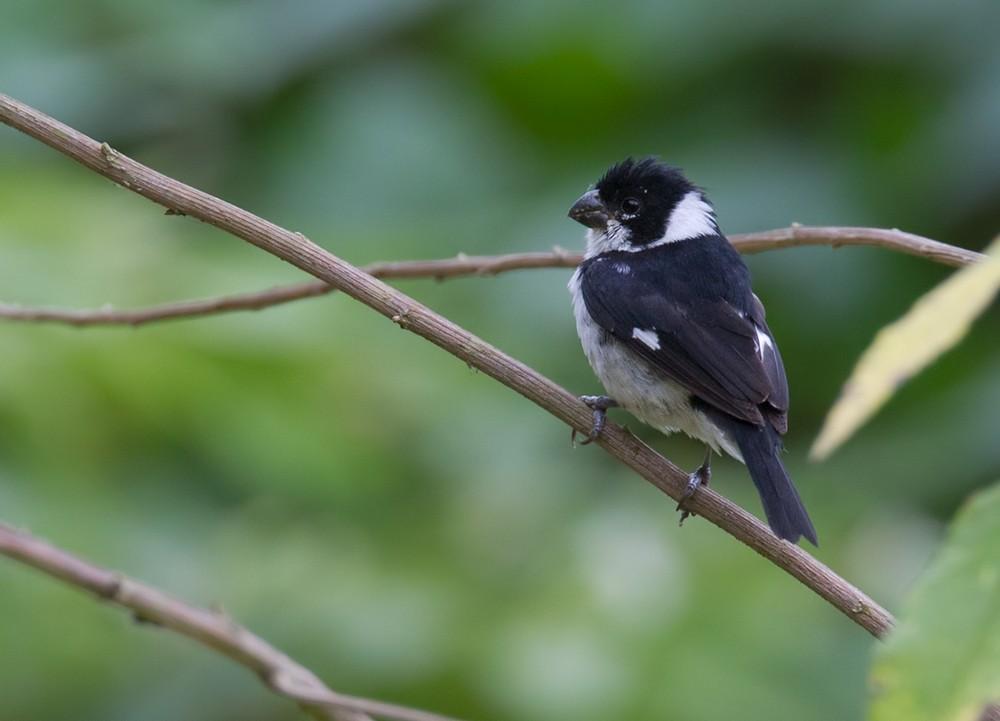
600, 405
701, 477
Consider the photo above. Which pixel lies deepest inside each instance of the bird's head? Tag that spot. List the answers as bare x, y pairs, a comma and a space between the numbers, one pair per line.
639, 204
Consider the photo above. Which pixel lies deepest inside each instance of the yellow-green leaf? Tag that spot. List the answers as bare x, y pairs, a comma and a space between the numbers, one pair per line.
942, 662
935, 323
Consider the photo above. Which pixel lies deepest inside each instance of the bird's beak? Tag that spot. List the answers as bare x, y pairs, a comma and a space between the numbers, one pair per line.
590, 211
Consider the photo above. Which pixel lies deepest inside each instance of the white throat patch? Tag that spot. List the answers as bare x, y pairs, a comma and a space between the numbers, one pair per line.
614, 237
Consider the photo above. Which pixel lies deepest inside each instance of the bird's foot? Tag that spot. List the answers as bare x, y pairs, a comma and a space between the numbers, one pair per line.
701, 477
600, 405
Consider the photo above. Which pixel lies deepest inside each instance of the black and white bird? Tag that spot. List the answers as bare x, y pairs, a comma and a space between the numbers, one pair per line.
673, 330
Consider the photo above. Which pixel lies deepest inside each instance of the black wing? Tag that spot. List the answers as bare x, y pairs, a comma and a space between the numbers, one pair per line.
774, 367
706, 332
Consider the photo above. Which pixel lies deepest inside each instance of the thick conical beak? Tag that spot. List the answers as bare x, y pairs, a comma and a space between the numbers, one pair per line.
590, 211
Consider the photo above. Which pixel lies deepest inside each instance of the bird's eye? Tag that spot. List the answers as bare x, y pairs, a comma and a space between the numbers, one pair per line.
631, 206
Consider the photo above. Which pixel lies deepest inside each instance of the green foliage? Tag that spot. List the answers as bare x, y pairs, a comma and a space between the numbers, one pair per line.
943, 661
406, 527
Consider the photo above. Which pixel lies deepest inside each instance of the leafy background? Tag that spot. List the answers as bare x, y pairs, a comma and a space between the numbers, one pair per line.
407, 527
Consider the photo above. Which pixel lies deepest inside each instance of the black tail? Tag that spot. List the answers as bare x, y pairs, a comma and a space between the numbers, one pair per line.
761, 448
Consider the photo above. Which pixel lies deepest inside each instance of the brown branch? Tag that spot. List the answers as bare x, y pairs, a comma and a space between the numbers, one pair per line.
168, 311
209, 628
410, 315
836, 236
795, 235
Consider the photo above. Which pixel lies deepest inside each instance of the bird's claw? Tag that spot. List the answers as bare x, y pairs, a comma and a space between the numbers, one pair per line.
600, 405
701, 477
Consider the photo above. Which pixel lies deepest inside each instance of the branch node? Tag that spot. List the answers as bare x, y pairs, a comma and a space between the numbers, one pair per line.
112, 158
113, 589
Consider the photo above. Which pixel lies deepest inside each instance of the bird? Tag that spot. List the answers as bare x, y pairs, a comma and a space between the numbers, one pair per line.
670, 324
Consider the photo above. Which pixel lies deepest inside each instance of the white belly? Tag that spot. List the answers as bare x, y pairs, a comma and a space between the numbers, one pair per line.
641, 389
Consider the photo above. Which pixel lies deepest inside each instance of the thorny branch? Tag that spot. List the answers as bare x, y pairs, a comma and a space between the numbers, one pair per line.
461, 265
298, 250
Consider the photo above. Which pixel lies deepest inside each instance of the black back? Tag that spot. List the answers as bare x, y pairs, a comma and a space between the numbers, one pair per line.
695, 295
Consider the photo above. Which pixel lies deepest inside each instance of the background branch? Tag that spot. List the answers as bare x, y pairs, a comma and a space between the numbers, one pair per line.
795, 235
296, 249
209, 628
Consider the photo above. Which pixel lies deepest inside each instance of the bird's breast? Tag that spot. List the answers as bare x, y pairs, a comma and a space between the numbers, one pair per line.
639, 387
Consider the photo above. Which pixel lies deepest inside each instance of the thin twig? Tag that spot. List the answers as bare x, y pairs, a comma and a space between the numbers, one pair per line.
795, 235
209, 628
298, 250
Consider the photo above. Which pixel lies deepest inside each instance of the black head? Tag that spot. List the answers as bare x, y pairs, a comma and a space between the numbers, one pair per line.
635, 195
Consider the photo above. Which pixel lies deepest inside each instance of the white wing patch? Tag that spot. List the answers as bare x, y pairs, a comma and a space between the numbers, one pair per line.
648, 338
763, 342
691, 217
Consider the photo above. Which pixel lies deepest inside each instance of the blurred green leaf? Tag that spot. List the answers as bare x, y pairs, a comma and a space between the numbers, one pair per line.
943, 661
410, 529
934, 324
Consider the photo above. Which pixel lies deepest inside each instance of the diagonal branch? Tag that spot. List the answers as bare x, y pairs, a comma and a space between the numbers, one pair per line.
214, 629
460, 265
410, 315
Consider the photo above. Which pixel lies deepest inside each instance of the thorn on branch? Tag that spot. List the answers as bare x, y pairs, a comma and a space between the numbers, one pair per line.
402, 319
174, 211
